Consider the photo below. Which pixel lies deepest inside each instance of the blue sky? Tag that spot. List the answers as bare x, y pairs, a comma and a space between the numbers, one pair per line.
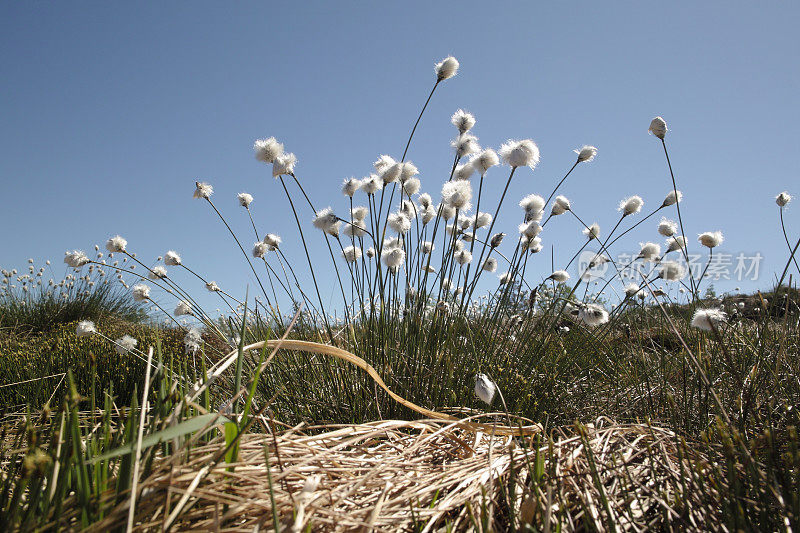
110, 111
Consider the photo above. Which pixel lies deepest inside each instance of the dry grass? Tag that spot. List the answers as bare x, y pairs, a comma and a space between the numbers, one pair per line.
421, 475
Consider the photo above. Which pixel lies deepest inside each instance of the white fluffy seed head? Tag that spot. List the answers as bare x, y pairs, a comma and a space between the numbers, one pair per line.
709, 319
783, 199
593, 315
350, 186
505, 277
427, 247
464, 257
141, 292
325, 220
212, 286
391, 173
649, 251
464, 171
711, 239
202, 190
490, 265
530, 229
631, 205
482, 220
370, 252
284, 164
407, 171
427, 214
667, 228
532, 204
446, 68
485, 388
673, 197
465, 144
267, 150
352, 254
171, 258
671, 271
383, 162
244, 199
631, 289
393, 257
497, 238
485, 160
411, 186
75, 259
560, 206
457, 194
260, 249
462, 120
559, 276
125, 344
592, 232
586, 153
425, 200
658, 127
84, 328
399, 223
371, 184
676, 243
355, 229
523, 153
183, 308
116, 244
272, 241
359, 212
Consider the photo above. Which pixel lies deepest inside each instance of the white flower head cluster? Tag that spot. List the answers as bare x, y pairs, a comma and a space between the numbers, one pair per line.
463, 257
76, 258
393, 257
371, 184
671, 271
125, 344
245, 199
399, 223
631, 205
171, 258
485, 388
672, 198
456, 195
116, 244
446, 68
203, 190
523, 153
560, 206
260, 249
533, 205
559, 276
212, 286
272, 241
183, 308
411, 186
84, 328
352, 254
710, 239
141, 292
592, 232
490, 264
658, 127
464, 172
267, 150
708, 319
326, 221
783, 199
586, 153
193, 340
350, 186
593, 315
462, 120
667, 228
284, 165
676, 242
485, 160
465, 144
157, 272
649, 252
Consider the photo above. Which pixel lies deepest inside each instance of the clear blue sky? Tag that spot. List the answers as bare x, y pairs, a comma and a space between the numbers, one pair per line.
110, 111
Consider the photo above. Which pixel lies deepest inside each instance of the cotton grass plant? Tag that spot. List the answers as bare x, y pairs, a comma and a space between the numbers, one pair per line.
412, 258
